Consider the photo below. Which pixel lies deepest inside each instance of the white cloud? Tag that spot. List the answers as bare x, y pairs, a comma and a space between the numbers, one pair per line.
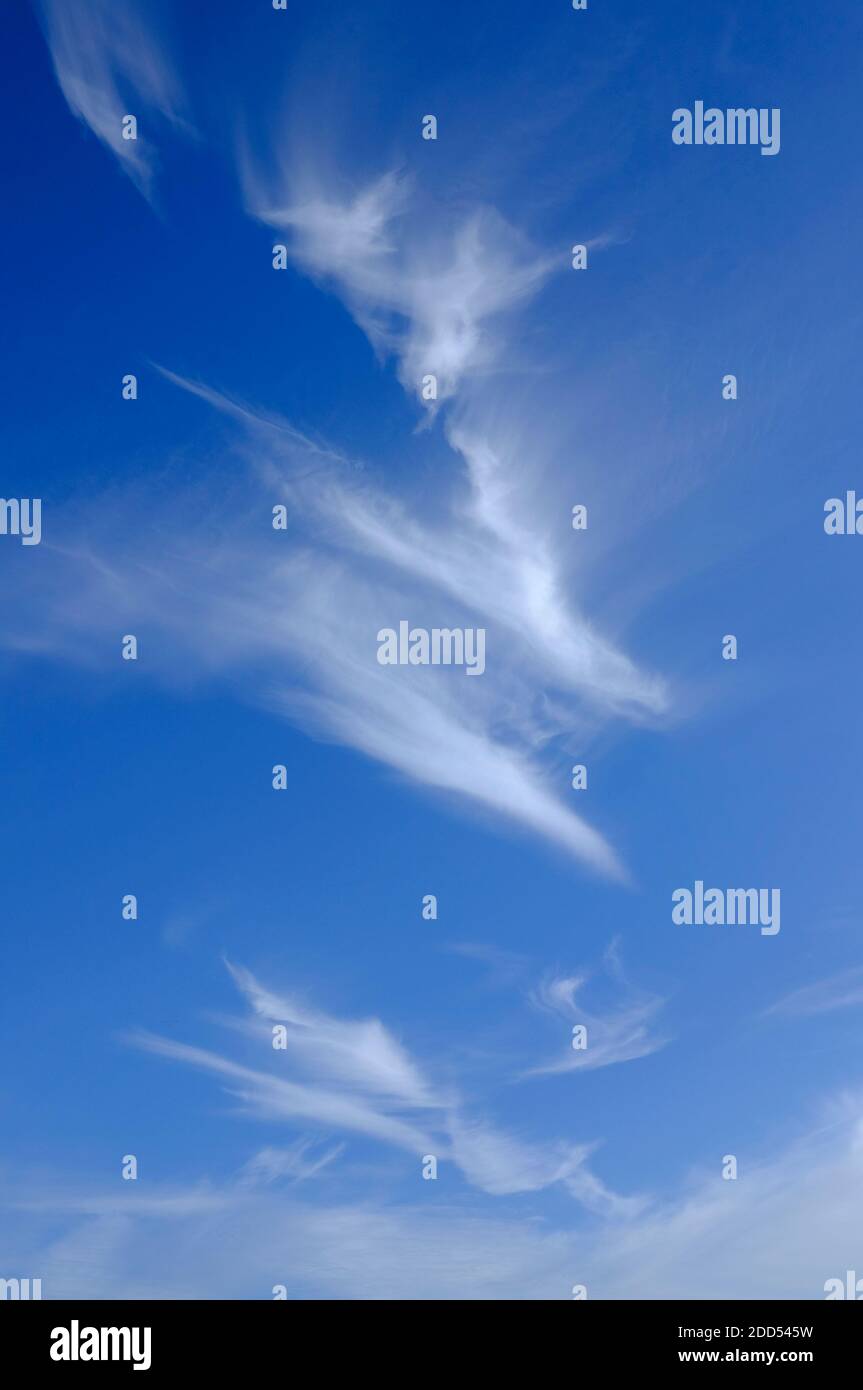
501, 1165
484, 558
271, 1165
375, 1089
428, 296
295, 629
361, 1053
620, 1032
780, 1231
109, 65
272, 1097
842, 991
433, 292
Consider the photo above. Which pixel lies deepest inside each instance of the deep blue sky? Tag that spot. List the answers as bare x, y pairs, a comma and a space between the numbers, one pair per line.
706, 518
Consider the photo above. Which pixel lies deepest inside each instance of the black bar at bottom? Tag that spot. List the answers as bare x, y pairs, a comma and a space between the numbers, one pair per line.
155, 1339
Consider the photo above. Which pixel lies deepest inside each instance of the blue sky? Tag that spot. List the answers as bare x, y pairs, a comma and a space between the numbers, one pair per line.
257, 647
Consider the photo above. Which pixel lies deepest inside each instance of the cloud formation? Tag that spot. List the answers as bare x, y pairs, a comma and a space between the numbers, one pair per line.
109, 65
620, 1032
781, 1230
357, 1079
429, 297
295, 627
438, 293
842, 991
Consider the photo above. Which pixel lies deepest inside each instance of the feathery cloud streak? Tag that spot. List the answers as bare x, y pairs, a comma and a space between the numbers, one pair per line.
783, 1229
109, 65
620, 1033
371, 1087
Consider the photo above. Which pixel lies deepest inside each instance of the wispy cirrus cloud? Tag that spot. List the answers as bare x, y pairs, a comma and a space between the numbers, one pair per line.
502, 1165
109, 64
270, 1096
783, 1229
484, 560
439, 292
623, 1031
375, 1090
362, 1053
361, 557
430, 297
297, 1163
212, 598
842, 991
